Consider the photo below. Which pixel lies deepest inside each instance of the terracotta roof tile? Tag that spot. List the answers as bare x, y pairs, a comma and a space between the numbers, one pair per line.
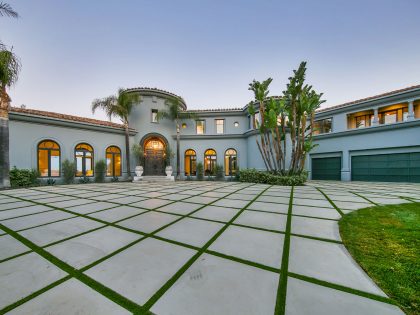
407, 89
79, 119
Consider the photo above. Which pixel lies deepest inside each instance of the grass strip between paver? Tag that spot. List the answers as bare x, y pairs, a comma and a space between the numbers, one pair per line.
100, 288
331, 202
188, 264
107, 292
365, 198
280, 308
342, 288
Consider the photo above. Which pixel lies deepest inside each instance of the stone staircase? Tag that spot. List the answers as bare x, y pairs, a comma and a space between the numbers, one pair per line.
154, 179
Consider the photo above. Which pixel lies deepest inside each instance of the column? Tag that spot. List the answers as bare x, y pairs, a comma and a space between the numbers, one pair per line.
410, 115
375, 121
345, 169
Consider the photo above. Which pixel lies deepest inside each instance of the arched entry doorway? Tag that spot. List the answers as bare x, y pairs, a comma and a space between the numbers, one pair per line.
154, 156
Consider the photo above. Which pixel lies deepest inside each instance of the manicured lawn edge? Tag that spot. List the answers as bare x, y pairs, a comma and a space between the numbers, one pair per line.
384, 241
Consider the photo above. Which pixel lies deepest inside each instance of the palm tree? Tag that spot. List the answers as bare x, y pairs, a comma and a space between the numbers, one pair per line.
119, 106
9, 73
6, 10
175, 112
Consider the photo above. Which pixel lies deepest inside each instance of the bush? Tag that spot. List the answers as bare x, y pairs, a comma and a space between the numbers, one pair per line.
23, 177
254, 176
69, 169
114, 179
200, 170
218, 171
100, 168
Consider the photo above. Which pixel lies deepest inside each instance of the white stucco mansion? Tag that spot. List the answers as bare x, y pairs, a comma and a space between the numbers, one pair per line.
372, 139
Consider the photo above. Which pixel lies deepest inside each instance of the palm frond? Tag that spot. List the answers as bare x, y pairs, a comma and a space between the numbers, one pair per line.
7, 10
9, 67
107, 104
119, 105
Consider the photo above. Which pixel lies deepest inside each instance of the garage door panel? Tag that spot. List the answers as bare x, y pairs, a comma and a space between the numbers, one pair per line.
326, 168
399, 167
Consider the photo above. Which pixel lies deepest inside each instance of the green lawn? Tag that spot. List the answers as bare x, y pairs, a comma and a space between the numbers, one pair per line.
385, 241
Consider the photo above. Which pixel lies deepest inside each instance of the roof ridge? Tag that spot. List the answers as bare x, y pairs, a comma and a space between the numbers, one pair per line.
409, 88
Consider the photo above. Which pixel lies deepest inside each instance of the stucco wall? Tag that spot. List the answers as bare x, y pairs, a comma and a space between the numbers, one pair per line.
396, 138
25, 136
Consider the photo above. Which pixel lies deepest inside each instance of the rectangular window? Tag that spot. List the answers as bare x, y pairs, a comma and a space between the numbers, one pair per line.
322, 126
200, 127
388, 117
220, 126
364, 121
154, 115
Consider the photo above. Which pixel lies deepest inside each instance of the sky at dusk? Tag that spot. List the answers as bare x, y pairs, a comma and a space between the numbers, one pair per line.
209, 51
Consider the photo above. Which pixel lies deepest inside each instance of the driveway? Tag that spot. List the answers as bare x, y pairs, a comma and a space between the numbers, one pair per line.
187, 248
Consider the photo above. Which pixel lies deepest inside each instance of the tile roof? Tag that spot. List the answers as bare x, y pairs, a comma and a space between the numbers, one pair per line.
156, 90
78, 119
407, 89
236, 109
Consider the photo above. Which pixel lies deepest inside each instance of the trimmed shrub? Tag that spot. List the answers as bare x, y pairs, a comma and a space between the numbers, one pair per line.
254, 176
23, 177
218, 171
200, 171
69, 169
100, 168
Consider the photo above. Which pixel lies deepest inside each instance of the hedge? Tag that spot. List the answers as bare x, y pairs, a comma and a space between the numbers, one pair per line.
254, 176
23, 177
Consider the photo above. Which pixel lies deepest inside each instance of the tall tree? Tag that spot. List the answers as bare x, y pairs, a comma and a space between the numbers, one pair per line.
119, 106
292, 110
176, 113
9, 72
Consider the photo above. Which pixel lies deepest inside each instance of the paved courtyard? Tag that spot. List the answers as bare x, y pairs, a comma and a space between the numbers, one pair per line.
187, 248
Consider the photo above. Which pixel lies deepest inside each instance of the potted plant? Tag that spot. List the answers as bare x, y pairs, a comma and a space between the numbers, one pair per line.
169, 155
139, 155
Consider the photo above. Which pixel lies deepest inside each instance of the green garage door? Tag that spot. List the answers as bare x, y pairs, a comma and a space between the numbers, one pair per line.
326, 168
399, 167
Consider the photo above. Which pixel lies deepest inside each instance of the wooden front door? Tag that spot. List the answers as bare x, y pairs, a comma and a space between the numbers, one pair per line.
154, 150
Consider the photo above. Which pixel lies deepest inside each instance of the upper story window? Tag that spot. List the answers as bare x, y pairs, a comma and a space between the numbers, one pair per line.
154, 115
200, 127
322, 126
220, 126
393, 116
364, 121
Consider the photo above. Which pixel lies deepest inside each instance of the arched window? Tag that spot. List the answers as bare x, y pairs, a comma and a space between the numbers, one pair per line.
83, 155
190, 163
231, 162
210, 159
113, 161
49, 158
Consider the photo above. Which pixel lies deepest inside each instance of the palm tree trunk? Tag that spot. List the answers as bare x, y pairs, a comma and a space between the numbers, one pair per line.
4, 139
178, 159
127, 150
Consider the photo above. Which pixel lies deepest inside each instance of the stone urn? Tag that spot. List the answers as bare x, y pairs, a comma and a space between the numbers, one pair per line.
168, 171
139, 170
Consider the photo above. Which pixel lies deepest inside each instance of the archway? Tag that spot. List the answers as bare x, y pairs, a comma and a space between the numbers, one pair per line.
154, 155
